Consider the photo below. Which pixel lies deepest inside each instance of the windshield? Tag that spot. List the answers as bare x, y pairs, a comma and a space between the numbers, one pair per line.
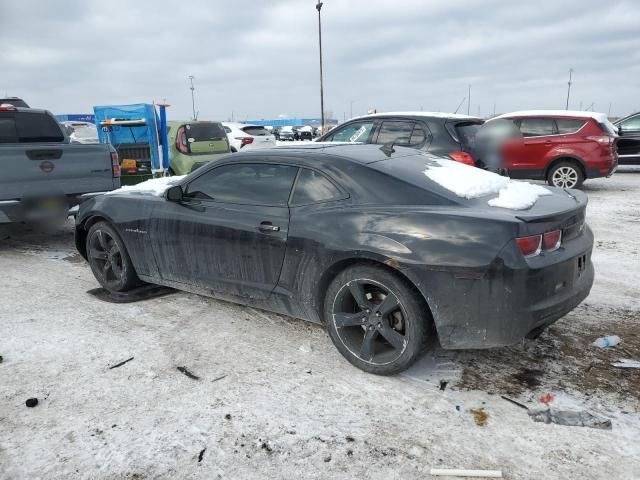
466, 131
86, 132
205, 131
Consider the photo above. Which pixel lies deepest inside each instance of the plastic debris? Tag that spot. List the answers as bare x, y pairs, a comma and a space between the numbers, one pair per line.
622, 363
570, 418
480, 416
446, 472
608, 341
1, 359
121, 363
188, 373
31, 402
201, 454
547, 398
443, 385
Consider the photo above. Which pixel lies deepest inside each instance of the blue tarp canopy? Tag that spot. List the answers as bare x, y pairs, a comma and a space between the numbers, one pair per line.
143, 132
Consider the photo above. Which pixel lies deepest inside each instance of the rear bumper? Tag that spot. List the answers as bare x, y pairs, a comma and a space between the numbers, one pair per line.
509, 301
15, 211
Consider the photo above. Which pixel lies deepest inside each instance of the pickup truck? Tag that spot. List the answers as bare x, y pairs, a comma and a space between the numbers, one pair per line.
42, 175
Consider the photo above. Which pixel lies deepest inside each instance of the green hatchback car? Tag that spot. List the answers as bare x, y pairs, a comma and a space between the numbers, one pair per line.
192, 144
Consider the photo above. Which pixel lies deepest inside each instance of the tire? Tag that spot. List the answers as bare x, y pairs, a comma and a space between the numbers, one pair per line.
109, 260
565, 175
384, 332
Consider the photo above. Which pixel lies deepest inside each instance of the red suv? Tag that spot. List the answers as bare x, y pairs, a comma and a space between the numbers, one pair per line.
562, 147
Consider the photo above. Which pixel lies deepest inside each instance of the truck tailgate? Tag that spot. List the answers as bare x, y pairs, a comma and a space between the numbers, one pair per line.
54, 169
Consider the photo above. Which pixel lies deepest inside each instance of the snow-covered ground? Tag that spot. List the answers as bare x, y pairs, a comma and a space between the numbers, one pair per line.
276, 400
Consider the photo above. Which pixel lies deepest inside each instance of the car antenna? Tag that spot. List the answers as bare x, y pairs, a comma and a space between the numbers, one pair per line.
387, 148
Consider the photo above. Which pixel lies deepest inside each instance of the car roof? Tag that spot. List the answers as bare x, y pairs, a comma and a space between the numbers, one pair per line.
305, 154
182, 122
25, 109
239, 124
440, 115
600, 117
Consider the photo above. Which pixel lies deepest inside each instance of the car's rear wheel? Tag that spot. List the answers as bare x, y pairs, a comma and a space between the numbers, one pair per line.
565, 175
376, 320
109, 259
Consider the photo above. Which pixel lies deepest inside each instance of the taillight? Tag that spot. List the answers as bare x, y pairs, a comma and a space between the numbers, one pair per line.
245, 140
8, 109
601, 139
551, 240
535, 244
530, 246
115, 167
462, 157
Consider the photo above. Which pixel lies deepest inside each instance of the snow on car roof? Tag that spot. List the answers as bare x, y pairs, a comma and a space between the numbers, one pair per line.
420, 114
600, 117
471, 182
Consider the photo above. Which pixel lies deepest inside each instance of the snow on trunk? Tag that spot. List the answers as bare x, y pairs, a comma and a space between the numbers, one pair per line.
471, 182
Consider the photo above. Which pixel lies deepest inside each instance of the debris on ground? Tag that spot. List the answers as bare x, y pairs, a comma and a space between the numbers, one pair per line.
608, 341
570, 418
514, 402
446, 472
31, 402
219, 378
480, 416
327, 458
201, 454
547, 398
121, 363
267, 447
349, 438
227, 416
443, 385
1, 359
188, 373
622, 363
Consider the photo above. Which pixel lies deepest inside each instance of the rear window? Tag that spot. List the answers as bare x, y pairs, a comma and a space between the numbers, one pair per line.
256, 131
37, 128
466, 131
203, 132
567, 125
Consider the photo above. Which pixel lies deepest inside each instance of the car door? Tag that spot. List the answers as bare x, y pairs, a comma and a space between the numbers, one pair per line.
538, 139
629, 141
229, 234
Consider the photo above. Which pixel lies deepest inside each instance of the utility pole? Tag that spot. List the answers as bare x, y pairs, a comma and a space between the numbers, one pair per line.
569, 88
609, 113
469, 101
193, 101
319, 7
351, 108
494, 109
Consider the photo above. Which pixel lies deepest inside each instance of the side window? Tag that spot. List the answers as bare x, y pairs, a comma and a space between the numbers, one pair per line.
37, 127
8, 130
226, 129
536, 127
396, 131
357, 132
246, 184
566, 125
313, 187
418, 136
632, 124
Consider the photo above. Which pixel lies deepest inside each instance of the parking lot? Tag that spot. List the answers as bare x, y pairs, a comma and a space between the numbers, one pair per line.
273, 398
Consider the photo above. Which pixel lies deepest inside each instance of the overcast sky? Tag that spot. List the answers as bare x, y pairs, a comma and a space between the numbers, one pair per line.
259, 59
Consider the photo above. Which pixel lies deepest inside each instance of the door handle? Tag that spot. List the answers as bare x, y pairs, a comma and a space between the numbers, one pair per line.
268, 227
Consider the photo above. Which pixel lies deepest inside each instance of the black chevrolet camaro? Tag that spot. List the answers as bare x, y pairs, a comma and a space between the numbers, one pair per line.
356, 237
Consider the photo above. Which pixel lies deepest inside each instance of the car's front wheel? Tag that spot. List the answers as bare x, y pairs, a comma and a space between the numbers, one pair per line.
565, 175
109, 259
376, 319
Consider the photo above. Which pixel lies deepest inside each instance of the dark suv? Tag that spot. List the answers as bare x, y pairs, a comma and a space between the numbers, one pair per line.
629, 141
444, 134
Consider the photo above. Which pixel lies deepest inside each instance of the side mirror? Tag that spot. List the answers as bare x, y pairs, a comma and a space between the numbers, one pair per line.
175, 194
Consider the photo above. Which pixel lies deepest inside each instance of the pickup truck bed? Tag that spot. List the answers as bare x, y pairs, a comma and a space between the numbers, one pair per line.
40, 169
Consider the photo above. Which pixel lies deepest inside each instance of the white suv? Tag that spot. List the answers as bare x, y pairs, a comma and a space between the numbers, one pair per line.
244, 136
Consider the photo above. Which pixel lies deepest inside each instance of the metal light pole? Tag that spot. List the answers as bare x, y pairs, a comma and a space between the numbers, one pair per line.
469, 102
569, 88
319, 7
193, 101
